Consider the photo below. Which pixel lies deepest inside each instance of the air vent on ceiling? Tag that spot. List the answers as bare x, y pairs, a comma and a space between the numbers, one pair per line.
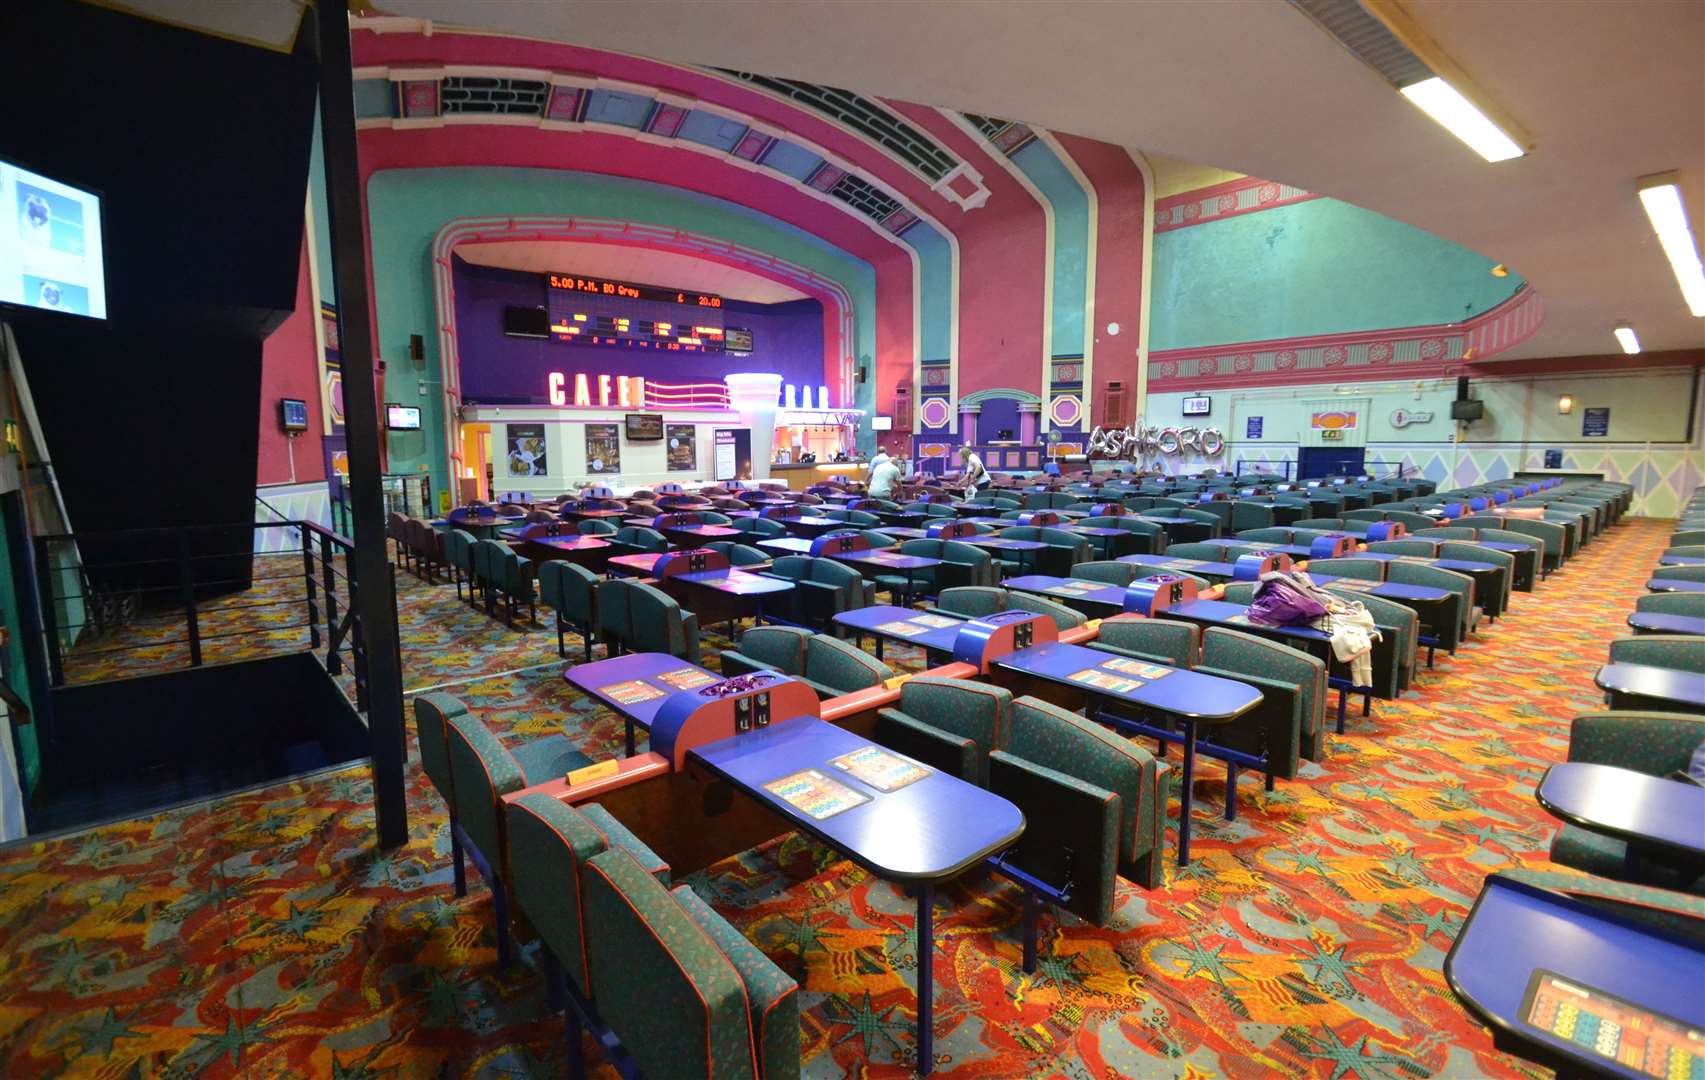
1367, 38
864, 115
483, 94
988, 125
862, 196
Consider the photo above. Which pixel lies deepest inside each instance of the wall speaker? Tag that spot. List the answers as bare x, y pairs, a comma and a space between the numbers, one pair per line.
416, 348
1462, 388
863, 373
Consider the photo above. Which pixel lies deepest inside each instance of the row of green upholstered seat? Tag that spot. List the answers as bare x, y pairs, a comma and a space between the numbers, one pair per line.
492, 570
1398, 622
1081, 787
420, 547
680, 988
823, 662
976, 601
624, 615
822, 588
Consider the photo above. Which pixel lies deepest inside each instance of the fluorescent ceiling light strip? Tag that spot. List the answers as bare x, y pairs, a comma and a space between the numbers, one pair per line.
1626, 337
1669, 220
1441, 101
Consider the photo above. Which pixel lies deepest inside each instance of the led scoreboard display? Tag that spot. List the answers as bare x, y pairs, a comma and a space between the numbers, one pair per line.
626, 314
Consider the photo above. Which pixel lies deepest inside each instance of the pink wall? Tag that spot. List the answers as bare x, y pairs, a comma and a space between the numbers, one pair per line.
1118, 263
290, 368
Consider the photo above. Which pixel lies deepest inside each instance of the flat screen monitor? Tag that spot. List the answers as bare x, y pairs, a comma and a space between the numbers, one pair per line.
402, 417
293, 414
50, 244
1198, 406
737, 339
1467, 409
882, 423
528, 322
644, 427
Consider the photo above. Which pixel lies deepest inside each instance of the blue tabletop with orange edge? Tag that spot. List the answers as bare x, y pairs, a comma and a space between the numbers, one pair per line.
1683, 691
1562, 981
636, 685
1098, 593
927, 630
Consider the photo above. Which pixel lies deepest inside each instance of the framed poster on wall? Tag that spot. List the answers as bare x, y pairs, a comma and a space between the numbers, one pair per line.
681, 441
604, 449
526, 449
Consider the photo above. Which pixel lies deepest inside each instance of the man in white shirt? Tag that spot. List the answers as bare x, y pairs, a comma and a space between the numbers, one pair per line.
884, 478
976, 477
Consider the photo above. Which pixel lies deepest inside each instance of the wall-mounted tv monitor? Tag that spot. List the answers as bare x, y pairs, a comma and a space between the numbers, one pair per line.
737, 339
1198, 406
1467, 409
531, 322
50, 244
293, 414
882, 423
644, 427
402, 417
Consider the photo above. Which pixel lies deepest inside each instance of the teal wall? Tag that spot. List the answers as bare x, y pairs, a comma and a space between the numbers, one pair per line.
322, 216
407, 207
935, 291
1043, 167
1315, 267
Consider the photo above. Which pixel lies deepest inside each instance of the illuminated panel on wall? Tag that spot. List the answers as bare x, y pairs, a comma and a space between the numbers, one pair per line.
627, 315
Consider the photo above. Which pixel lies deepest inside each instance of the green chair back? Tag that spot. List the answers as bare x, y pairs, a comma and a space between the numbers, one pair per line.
550, 843
832, 663
936, 717
660, 624
482, 771
1064, 617
972, 601
1110, 572
432, 714
1349, 567
1674, 603
1163, 641
1680, 652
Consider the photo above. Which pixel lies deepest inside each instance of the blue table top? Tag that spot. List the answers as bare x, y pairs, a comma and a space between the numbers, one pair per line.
735, 582
1681, 560
1509, 546
900, 532
929, 830
878, 620
1003, 543
1093, 530
1237, 617
1295, 551
1626, 804
1059, 588
1443, 564
1178, 693
1201, 567
1389, 590
1645, 680
1675, 585
786, 545
1170, 520
884, 559
1515, 930
1665, 622
601, 675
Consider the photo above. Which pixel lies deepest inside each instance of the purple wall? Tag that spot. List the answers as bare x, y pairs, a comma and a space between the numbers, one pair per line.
997, 413
786, 339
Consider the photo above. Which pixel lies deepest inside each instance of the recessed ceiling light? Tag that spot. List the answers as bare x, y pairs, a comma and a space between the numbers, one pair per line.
1661, 196
1626, 337
1441, 101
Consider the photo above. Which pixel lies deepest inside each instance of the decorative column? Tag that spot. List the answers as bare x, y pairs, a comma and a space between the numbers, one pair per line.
1029, 422
754, 396
968, 423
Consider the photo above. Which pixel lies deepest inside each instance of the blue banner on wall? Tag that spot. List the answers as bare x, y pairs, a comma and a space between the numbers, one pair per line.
1252, 427
1595, 422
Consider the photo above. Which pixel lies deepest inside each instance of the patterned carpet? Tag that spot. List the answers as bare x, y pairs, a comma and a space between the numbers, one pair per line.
263, 936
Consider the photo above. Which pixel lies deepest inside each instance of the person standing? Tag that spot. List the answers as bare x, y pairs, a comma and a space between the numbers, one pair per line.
976, 477
884, 478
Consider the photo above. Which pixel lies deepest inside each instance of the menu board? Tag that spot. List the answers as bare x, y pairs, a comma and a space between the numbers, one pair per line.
683, 447
686, 678
1127, 666
1608, 1027
631, 692
815, 794
880, 769
603, 449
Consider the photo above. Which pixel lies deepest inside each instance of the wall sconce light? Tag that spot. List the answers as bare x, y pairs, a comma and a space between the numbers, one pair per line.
1565, 405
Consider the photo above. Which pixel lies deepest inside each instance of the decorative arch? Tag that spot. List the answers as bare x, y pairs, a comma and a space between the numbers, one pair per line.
995, 393
461, 232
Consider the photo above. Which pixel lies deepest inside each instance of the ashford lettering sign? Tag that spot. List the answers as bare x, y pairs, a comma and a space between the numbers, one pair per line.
1137, 442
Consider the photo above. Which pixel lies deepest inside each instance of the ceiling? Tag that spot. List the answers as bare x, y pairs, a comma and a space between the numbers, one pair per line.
1609, 91
645, 266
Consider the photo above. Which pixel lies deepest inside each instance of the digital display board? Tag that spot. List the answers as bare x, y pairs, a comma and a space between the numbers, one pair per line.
624, 314
50, 245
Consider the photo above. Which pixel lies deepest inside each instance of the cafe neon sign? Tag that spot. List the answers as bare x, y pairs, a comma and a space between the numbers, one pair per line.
603, 391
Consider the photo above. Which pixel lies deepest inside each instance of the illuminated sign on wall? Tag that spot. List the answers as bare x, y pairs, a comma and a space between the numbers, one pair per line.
630, 290
632, 392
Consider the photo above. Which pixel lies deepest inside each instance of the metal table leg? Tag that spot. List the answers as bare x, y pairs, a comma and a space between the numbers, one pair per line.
926, 979
1187, 777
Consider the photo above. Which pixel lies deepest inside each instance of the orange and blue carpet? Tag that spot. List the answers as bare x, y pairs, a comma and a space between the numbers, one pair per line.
263, 935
